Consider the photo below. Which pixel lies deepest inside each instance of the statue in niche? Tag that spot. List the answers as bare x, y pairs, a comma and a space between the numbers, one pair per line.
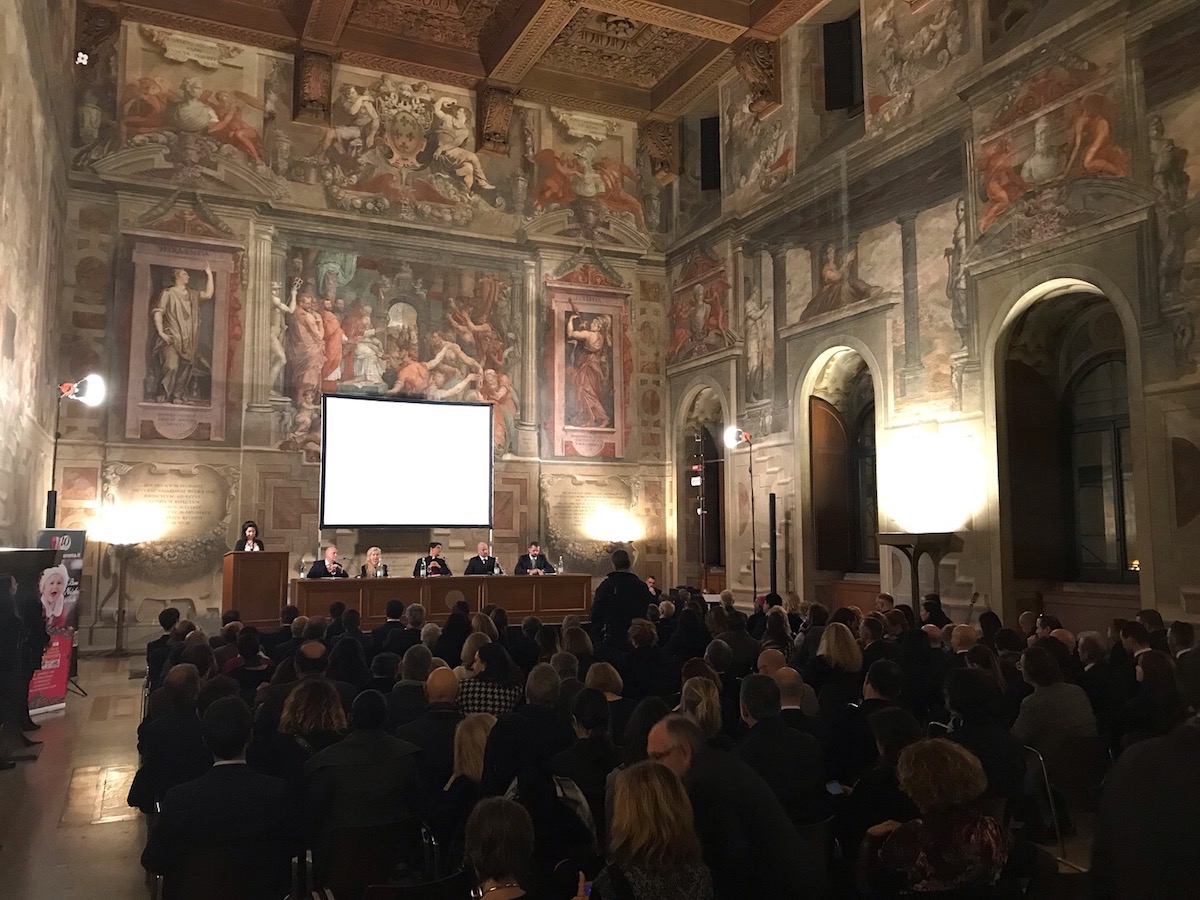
1171, 180
956, 276
1047, 161
839, 287
178, 331
756, 342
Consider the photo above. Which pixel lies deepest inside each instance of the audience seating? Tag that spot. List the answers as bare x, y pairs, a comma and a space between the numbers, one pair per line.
1075, 772
358, 857
206, 874
819, 837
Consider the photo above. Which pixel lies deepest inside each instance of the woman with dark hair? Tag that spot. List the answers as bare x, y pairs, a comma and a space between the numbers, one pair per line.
250, 668
907, 612
644, 717
454, 635
496, 687
348, 663
312, 719
951, 846
971, 699
778, 635
915, 658
932, 612
546, 639
501, 844
1008, 640
576, 642
989, 624
1004, 677
655, 852
1156, 708
894, 624
249, 539
499, 617
877, 797
690, 638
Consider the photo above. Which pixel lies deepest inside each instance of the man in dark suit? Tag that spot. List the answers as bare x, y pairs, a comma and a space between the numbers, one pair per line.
171, 744
588, 761
745, 648
368, 778
276, 636
529, 737
433, 564
1145, 843
393, 612
156, 650
794, 694
789, 761
1104, 686
483, 563
566, 666
328, 566
852, 745
748, 841
534, 562
875, 648
620, 598
718, 655
1181, 638
433, 731
407, 699
244, 819
287, 648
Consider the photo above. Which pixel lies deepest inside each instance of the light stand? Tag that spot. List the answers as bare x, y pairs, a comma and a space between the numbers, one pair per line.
734, 436
90, 391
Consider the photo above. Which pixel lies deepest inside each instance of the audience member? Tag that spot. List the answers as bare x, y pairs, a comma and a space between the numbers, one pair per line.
871, 632
749, 844
312, 719
852, 746
646, 670
466, 658
250, 668
385, 669
884, 603
431, 633
1104, 686
798, 707
1055, 711
1156, 708
226, 650
1181, 639
989, 625
247, 818
1005, 677
789, 761
483, 624
310, 661
700, 700
528, 737
500, 844
592, 757
876, 796
157, 649
348, 660
566, 666
215, 689
894, 624
171, 744
496, 685
286, 648
522, 645
366, 779
776, 634
970, 697
454, 634
620, 598
655, 852
1156, 630
932, 612
407, 699
454, 800
604, 677
576, 642
690, 638
951, 846
835, 673
433, 731
546, 639
1145, 843
745, 648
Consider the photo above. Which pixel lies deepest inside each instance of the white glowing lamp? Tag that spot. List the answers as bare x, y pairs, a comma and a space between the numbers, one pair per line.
90, 390
735, 436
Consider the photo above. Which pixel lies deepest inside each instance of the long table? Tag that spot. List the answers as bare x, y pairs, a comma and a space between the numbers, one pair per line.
549, 597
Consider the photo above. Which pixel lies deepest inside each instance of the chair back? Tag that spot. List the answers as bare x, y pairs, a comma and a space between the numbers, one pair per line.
455, 887
1077, 765
353, 858
817, 842
242, 873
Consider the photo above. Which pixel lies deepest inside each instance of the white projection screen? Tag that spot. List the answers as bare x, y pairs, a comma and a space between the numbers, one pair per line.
405, 463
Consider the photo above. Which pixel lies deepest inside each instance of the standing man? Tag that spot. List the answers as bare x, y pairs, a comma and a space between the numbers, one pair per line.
433, 564
534, 562
176, 318
328, 566
483, 563
621, 598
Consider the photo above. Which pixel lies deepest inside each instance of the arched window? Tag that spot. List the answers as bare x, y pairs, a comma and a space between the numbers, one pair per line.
1105, 531
863, 492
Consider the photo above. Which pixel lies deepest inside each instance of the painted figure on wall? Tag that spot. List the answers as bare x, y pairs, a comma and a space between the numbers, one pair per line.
589, 365
585, 175
1094, 148
840, 288
956, 276
306, 345
1171, 181
699, 314
907, 44
1002, 185
183, 374
280, 314
757, 348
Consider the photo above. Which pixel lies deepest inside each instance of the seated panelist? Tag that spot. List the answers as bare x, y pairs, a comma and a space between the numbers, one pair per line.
374, 568
483, 563
249, 539
433, 565
328, 566
534, 562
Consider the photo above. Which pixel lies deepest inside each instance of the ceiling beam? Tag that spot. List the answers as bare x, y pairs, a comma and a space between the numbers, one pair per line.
582, 92
324, 23
771, 18
258, 26
367, 48
675, 94
523, 41
717, 20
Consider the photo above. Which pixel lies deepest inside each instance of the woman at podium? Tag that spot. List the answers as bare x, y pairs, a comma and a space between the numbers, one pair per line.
249, 539
374, 567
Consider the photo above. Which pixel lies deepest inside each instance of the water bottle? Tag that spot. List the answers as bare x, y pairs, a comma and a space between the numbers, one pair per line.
303, 571
560, 565
424, 568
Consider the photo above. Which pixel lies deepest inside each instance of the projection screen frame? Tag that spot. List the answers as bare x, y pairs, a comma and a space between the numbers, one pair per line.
491, 501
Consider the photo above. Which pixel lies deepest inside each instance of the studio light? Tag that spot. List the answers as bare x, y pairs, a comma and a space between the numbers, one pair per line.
735, 436
81, 58
90, 391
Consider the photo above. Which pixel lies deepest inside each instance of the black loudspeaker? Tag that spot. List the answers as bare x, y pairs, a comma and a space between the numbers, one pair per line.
842, 46
774, 542
710, 154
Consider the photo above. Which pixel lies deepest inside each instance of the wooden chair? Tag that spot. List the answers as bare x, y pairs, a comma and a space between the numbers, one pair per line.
455, 887
818, 838
1075, 771
353, 858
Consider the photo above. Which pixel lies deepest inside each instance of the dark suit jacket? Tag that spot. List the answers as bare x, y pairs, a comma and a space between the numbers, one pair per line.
1145, 844
874, 652
1187, 670
587, 762
405, 703
1105, 689
1001, 755
648, 671
528, 737
798, 719
247, 819
442, 567
567, 690
749, 843
525, 565
172, 749
320, 570
852, 746
241, 544
381, 633
620, 598
433, 732
790, 762
477, 566
745, 652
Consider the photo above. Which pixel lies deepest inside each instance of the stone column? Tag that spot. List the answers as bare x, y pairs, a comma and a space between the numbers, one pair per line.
257, 345
779, 278
912, 375
530, 310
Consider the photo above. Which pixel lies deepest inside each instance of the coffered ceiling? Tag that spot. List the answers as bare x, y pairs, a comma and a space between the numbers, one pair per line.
636, 58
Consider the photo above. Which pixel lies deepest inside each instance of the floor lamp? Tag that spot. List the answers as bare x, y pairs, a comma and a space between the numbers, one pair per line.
734, 437
90, 391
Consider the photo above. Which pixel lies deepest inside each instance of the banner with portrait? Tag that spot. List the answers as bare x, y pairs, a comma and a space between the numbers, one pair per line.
58, 593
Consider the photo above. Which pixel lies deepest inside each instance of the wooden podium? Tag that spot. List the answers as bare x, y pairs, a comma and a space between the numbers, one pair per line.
255, 584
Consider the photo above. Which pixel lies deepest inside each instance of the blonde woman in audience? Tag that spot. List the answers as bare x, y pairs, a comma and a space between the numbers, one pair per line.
604, 678
655, 853
481, 624
836, 671
576, 642
471, 646
458, 796
700, 700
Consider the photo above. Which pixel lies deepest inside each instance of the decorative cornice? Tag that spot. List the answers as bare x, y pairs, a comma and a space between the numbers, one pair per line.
520, 52
667, 16
206, 28
386, 64
604, 108
773, 21
682, 100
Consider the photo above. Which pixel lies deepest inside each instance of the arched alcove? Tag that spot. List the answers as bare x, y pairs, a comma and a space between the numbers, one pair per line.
700, 479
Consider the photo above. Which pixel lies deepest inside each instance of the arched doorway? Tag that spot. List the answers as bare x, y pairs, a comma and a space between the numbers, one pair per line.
842, 466
1065, 444
701, 492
